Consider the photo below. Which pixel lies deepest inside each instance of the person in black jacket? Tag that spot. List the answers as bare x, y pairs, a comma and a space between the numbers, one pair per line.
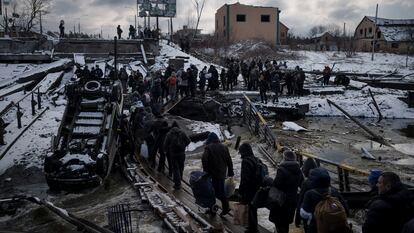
175, 143
307, 168
391, 209
288, 179
321, 182
248, 183
409, 227
217, 163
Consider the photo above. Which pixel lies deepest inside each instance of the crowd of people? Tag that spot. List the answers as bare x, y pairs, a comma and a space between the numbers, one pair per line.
138, 33
308, 191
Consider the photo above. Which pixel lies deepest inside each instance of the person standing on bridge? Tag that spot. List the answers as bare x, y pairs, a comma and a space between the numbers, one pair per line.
217, 163
172, 86
175, 143
119, 31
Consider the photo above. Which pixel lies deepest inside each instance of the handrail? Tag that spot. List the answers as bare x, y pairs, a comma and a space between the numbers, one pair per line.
261, 128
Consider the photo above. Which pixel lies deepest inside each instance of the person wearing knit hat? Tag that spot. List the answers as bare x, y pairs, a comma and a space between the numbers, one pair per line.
212, 138
289, 155
373, 177
217, 163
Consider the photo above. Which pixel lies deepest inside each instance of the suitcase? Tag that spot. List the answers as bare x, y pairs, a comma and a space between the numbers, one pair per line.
203, 190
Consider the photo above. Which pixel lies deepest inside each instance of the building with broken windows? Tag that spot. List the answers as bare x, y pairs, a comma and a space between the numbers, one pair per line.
325, 42
238, 22
391, 35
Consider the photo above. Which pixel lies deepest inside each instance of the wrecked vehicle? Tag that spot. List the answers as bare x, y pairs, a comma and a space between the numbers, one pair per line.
85, 147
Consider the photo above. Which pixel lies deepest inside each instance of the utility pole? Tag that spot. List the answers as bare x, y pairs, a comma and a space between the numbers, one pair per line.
172, 31
375, 33
40, 23
7, 22
79, 26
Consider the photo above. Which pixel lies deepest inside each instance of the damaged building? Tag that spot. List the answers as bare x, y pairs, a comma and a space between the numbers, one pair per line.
391, 35
235, 22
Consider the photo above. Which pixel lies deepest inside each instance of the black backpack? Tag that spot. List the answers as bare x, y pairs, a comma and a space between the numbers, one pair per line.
261, 170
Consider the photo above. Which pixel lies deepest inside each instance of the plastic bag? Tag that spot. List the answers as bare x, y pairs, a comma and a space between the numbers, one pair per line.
240, 214
144, 150
229, 187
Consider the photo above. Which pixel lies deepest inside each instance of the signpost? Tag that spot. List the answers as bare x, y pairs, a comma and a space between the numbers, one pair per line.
157, 8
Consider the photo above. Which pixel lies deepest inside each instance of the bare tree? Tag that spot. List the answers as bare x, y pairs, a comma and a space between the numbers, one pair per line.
34, 9
316, 30
26, 13
199, 5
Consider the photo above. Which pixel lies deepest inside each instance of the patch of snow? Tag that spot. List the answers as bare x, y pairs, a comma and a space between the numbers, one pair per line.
292, 126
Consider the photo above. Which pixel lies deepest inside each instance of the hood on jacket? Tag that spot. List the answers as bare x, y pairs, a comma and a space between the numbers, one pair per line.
212, 138
245, 150
308, 165
292, 166
320, 178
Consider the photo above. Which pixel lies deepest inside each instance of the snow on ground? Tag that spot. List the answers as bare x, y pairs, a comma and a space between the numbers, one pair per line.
359, 63
171, 51
200, 127
357, 103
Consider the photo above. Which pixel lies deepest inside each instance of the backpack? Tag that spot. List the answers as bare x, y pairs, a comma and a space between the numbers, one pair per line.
173, 81
261, 170
179, 143
330, 215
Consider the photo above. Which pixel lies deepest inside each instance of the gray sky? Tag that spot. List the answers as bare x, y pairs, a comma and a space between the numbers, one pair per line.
298, 15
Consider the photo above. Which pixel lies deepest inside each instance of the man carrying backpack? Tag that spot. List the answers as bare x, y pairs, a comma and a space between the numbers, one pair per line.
175, 143
217, 163
323, 207
250, 182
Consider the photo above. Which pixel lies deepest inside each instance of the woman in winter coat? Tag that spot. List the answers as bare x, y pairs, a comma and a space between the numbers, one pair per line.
288, 179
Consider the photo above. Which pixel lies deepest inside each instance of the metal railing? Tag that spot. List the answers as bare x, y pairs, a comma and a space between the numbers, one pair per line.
120, 219
259, 127
256, 123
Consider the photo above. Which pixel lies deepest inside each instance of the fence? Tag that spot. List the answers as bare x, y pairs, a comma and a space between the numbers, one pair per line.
258, 126
256, 123
120, 219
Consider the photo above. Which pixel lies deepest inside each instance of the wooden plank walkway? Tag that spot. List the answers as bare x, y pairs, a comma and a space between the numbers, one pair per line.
185, 195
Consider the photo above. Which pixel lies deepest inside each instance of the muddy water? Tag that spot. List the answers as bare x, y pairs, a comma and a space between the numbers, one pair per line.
340, 140
90, 204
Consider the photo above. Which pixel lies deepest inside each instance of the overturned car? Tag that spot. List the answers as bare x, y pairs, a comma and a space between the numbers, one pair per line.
87, 141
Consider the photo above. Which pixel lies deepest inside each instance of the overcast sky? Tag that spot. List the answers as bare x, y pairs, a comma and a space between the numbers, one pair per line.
298, 15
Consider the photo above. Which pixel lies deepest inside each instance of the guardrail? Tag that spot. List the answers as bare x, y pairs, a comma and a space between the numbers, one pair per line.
257, 124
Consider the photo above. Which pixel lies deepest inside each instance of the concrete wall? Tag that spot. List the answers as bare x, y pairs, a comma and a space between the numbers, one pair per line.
24, 45
252, 28
28, 45
105, 46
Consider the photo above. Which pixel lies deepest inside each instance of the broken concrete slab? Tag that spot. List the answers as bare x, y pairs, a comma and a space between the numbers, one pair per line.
329, 90
37, 74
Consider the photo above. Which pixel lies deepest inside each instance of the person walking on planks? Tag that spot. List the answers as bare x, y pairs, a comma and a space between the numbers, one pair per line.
175, 143
217, 163
326, 75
